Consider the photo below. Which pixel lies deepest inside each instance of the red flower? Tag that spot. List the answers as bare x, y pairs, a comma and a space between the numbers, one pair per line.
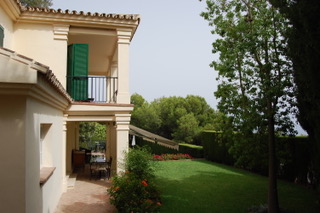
144, 182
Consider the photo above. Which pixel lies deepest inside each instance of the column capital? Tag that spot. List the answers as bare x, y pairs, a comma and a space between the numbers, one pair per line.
122, 121
124, 35
65, 117
60, 31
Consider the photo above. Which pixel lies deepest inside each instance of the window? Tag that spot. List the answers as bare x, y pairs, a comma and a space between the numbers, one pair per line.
1, 36
44, 143
46, 169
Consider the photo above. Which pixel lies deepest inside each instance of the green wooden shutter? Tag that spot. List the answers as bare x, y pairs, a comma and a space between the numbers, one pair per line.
1, 36
78, 57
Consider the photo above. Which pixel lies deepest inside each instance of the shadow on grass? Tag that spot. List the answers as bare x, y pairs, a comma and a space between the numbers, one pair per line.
203, 186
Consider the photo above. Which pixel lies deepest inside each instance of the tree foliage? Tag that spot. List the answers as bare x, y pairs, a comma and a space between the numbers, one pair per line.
91, 132
37, 3
255, 76
144, 115
304, 45
176, 118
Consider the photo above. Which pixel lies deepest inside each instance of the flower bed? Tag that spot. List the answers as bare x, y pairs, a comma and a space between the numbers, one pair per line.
178, 156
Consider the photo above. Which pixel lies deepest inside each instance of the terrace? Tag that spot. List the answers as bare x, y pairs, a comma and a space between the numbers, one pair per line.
94, 69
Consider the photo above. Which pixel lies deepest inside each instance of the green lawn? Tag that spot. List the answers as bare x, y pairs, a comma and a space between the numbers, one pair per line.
202, 186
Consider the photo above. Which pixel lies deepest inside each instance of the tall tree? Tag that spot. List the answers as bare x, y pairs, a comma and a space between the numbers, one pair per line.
255, 77
304, 51
37, 3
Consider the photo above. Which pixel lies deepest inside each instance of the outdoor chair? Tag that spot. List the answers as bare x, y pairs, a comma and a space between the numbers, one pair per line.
100, 169
94, 172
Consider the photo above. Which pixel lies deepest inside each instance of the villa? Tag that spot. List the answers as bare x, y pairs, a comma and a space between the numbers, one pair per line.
57, 69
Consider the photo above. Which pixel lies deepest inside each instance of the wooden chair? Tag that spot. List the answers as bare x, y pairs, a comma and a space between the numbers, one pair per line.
94, 170
99, 169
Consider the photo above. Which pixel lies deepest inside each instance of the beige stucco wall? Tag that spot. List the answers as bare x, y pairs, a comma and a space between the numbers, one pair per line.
38, 113
12, 146
19, 144
37, 42
7, 24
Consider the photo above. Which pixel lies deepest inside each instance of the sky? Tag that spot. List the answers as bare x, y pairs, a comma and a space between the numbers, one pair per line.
171, 50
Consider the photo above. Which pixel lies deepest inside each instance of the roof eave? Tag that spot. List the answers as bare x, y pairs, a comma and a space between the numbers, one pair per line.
12, 8
103, 21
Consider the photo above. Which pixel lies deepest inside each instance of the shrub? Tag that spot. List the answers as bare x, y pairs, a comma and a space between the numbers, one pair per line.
135, 190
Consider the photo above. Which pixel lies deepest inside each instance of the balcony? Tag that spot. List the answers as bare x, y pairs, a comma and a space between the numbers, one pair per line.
98, 89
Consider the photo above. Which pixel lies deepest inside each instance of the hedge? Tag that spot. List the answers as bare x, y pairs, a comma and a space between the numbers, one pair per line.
295, 158
156, 149
293, 155
193, 150
214, 149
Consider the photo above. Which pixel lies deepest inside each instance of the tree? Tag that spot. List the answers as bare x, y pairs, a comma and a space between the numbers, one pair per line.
144, 115
255, 76
304, 46
188, 127
137, 100
177, 118
182, 119
37, 3
91, 132
170, 109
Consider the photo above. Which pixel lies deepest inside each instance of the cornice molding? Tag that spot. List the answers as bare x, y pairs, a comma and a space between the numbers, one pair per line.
60, 31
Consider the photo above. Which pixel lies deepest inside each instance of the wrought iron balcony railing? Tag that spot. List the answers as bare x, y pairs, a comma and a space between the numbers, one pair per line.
100, 89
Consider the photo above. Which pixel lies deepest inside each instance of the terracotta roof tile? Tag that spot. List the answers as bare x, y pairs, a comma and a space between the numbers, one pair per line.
134, 17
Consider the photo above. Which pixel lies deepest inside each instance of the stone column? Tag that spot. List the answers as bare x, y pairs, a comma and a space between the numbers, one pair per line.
71, 144
124, 36
111, 146
64, 154
77, 134
122, 139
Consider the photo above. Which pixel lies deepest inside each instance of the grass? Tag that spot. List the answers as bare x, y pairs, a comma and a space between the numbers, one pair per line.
203, 186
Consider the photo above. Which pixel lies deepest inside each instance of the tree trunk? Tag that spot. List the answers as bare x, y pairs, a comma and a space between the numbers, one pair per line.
273, 204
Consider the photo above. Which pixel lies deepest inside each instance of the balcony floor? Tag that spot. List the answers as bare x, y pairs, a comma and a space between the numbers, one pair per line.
85, 195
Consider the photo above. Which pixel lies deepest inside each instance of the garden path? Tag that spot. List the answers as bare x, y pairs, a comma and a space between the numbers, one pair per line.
85, 195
